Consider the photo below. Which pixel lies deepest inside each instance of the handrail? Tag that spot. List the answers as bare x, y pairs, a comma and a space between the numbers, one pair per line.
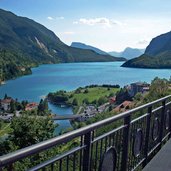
39, 147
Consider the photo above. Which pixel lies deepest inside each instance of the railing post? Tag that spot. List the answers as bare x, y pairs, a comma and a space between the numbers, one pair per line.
125, 143
147, 136
162, 123
87, 152
169, 124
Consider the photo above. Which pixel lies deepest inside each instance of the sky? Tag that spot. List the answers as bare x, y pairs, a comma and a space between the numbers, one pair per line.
110, 25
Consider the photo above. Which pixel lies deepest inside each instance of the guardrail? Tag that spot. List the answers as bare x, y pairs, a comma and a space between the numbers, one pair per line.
126, 141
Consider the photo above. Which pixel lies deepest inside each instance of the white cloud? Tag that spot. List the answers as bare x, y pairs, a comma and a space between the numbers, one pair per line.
57, 18
143, 42
69, 32
50, 18
97, 21
60, 18
75, 22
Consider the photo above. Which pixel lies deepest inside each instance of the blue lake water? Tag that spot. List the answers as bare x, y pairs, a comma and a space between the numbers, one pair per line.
69, 76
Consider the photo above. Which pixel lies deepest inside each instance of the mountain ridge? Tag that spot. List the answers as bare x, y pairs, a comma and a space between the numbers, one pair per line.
157, 54
128, 53
85, 46
23, 38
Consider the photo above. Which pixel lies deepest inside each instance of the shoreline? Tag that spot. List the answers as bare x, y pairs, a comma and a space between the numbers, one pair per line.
54, 64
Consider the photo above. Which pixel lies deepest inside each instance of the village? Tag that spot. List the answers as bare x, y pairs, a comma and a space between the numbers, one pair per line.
121, 102
8, 110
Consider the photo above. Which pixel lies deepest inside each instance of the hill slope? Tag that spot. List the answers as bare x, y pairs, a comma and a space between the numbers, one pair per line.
157, 54
27, 43
159, 44
84, 46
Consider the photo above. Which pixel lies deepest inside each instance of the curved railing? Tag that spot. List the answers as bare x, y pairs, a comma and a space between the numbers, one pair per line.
126, 141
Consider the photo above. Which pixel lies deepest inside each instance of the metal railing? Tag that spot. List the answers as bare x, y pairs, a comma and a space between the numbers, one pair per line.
126, 141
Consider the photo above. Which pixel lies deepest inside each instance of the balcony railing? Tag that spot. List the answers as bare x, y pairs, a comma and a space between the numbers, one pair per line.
126, 141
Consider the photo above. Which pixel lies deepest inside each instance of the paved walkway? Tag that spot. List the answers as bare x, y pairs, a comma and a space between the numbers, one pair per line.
162, 160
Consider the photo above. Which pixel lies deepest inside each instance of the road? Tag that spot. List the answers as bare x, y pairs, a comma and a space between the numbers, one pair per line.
66, 117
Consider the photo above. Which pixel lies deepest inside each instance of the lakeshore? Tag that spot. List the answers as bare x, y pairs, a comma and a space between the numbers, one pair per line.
50, 78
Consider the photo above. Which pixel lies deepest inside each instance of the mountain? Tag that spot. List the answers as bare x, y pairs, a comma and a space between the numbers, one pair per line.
117, 54
25, 43
128, 53
157, 54
159, 44
84, 46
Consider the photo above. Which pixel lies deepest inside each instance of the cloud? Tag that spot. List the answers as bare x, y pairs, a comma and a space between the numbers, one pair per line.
142, 42
69, 32
60, 18
50, 18
97, 21
57, 18
75, 22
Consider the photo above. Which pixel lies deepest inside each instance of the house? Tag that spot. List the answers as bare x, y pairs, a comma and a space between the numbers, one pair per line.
146, 89
112, 100
31, 106
7, 117
90, 110
126, 105
5, 104
138, 87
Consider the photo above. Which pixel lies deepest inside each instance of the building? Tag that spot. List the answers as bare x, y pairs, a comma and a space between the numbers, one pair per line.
7, 117
138, 87
31, 106
5, 104
112, 100
126, 105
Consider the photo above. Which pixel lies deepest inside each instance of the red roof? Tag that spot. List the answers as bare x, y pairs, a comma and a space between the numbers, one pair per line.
31, 106
122, 106
112, 99
126, 103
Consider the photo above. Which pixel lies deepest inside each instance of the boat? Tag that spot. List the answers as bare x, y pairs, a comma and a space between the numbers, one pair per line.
2, 82
63, 105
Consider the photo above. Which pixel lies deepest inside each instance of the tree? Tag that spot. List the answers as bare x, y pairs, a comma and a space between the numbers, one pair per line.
111, 94
75, 102
102, 100
158, 88
122, 95
6, 96
85, 101
30, 130
78, 90
43, 107
23, 104
1, 123
86, 91
12, 106
110, 108
94, 102
138, 97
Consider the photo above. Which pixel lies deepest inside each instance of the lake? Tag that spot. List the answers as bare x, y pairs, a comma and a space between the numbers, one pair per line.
69, 76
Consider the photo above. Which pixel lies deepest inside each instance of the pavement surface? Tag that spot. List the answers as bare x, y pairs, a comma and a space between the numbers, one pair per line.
162, 160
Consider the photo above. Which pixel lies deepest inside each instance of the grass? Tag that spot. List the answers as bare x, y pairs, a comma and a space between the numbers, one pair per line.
93, 94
